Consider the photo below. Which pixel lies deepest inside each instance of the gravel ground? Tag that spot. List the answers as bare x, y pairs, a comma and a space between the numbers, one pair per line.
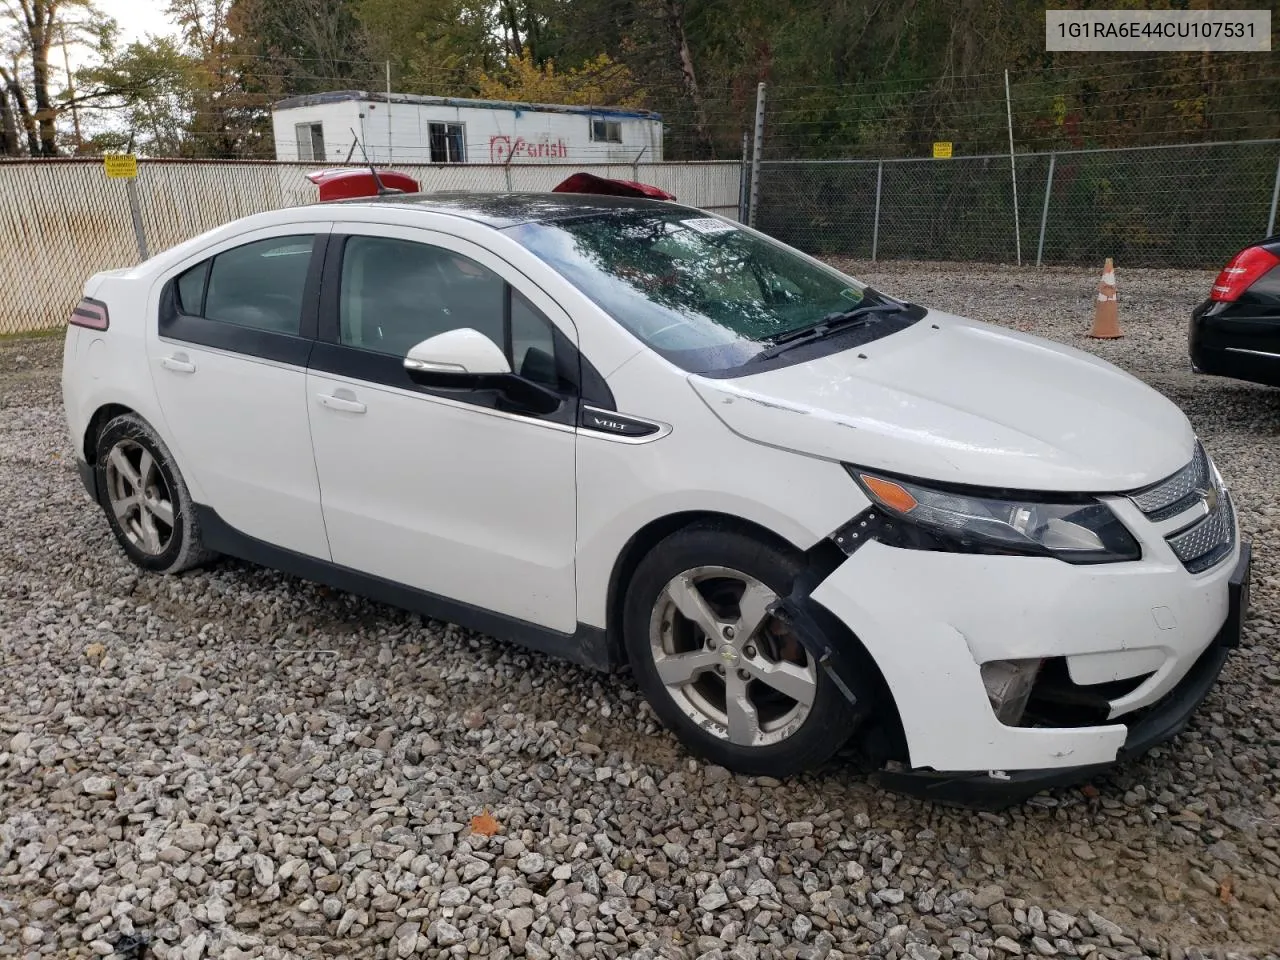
238, 764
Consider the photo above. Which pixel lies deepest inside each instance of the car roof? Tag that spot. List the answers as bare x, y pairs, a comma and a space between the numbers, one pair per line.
500, 210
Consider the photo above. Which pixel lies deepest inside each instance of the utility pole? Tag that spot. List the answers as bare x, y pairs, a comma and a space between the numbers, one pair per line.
71, 89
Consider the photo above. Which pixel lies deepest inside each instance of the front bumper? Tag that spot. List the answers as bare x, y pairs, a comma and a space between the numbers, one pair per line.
931, 619
1160, 722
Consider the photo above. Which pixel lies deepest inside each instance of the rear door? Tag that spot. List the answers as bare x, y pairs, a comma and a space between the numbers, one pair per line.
228, 356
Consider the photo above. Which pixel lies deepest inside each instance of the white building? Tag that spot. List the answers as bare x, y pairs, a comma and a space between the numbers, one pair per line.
402, 128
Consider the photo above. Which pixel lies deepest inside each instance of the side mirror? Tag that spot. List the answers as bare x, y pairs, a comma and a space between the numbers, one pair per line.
466, 359
465, 353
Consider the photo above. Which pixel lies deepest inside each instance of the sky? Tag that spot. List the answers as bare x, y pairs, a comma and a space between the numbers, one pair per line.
136, 18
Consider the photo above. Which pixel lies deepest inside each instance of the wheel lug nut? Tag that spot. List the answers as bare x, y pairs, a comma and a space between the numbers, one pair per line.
719, 669
750, 651
743, 675
728, 633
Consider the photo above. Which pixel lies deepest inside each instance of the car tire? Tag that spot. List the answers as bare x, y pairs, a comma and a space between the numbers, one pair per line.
145, 498
716, 699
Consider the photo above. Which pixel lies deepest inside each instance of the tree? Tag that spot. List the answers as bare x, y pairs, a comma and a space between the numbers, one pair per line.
154, 83
435, 47
599, 81
33, 29
231, 89
312, 45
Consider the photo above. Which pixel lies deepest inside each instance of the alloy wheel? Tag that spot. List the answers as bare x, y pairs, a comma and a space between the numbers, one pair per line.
140, 497
728, 664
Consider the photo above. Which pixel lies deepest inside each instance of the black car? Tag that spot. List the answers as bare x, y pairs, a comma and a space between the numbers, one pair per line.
1236, 332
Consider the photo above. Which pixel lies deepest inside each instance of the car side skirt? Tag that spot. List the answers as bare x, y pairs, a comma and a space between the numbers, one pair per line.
587, 646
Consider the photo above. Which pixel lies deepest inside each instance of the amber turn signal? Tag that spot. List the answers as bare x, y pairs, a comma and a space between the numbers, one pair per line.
889, 494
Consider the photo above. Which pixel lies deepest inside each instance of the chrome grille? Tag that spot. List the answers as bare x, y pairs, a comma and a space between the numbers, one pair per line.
1207, 541
1211, 537
1178, 493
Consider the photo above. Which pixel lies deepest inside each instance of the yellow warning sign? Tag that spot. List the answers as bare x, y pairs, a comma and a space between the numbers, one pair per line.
121, 166
942, 150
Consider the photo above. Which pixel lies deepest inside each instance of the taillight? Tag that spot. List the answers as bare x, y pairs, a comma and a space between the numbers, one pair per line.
1240, 273
90, 313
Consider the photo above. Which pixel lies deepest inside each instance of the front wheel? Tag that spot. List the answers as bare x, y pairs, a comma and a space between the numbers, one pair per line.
735, 685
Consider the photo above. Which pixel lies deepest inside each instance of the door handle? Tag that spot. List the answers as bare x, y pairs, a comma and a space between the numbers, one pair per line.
178, 363
341, 403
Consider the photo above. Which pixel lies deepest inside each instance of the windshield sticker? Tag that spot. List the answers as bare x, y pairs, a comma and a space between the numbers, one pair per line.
709, 225
850, 294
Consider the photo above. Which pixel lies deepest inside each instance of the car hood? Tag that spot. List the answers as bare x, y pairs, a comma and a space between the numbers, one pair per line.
959, 401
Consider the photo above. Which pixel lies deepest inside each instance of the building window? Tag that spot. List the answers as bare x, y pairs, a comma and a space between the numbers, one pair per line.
446, 142
310, 141
606, 131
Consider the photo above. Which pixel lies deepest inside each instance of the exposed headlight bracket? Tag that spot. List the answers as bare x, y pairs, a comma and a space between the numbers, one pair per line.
862, 528
876, 524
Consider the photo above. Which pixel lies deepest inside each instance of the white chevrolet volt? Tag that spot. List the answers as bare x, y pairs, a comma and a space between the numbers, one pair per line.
805, 514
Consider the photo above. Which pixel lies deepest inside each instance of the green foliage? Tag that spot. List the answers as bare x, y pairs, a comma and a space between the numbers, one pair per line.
312, 45
846, 78
599, 81
152, 92
435, 47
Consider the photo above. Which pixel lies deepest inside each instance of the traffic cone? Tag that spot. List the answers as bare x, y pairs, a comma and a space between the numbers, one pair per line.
1106, 310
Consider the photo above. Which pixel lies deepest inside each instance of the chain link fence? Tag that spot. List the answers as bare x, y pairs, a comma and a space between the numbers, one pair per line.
1191, 205
66, 220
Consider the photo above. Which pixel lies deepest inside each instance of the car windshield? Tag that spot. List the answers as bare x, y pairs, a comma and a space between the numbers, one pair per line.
701, 291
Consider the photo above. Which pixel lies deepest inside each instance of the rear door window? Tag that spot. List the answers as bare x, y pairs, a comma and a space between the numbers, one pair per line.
258, 285
259, 299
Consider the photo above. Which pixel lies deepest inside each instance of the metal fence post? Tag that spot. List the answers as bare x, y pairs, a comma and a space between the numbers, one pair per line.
1044, 211
875, 226
1013, 169
1275, 196
755, 156
635, 164
742, 180
135, 210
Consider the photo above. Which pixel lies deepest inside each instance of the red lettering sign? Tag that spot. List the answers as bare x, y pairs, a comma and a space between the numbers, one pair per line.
503, 148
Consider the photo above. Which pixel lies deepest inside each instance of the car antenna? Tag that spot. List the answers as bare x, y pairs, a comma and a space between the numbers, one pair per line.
383, 189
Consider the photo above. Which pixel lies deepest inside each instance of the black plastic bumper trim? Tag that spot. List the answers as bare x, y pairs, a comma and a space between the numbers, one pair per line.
794, 612
587, 646
89, 477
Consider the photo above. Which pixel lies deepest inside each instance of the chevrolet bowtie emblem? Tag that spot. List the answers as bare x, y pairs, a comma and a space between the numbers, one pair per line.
1210, 496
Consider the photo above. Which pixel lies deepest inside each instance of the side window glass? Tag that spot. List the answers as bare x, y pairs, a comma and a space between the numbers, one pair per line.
258, 285
190, 289
533, 350
397, 293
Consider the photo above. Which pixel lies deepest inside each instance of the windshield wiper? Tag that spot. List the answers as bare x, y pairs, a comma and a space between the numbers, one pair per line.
840, 320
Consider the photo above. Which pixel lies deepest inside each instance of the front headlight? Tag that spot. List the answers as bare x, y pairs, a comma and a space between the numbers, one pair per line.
1075, 529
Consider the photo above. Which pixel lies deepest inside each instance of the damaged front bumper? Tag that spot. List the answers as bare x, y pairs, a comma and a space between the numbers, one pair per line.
957, 750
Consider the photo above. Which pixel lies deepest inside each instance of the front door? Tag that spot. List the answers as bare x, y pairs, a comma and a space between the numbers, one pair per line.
454, 493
